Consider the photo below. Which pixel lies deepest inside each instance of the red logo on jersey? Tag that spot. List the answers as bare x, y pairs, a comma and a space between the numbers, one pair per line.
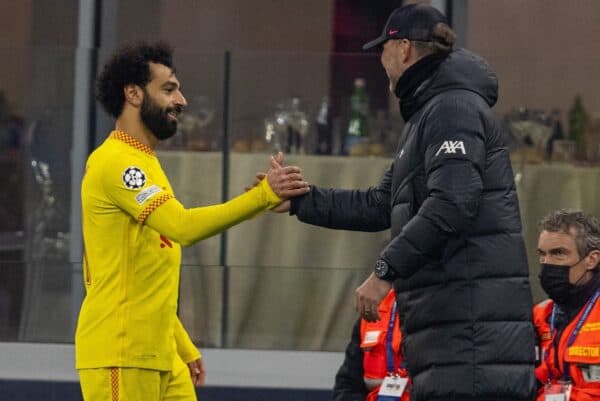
165, 241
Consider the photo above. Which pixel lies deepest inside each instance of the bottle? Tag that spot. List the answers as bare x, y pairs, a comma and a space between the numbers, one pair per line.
359, 111
578, 124
324, 129
557, 132
297, 128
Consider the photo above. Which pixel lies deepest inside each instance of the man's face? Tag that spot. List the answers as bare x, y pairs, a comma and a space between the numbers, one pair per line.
393, 60
162, 102
559, 248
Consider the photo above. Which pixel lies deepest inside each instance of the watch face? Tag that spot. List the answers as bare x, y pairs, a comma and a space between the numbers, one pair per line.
381, 268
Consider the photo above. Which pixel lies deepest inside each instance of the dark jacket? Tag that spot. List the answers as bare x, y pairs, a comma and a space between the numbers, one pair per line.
450, 200
349, 382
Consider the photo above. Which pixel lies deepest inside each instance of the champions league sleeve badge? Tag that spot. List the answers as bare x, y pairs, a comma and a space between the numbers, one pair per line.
134, 178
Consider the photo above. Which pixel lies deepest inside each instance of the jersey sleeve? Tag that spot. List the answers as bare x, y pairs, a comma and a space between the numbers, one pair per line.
187, 226
129, 182
185, 347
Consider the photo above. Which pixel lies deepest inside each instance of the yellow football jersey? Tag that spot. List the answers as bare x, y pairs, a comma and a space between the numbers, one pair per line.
131, 270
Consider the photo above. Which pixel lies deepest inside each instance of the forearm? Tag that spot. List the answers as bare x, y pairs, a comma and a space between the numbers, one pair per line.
185, 347
187, 226
357, 210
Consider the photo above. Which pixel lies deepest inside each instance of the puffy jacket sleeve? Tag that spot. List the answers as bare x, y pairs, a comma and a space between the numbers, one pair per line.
357, 210
349, 383
453, 149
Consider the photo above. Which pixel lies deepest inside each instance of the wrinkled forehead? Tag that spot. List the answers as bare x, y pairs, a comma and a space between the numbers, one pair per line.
557, 239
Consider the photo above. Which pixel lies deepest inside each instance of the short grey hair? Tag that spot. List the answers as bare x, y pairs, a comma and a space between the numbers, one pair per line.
586, 226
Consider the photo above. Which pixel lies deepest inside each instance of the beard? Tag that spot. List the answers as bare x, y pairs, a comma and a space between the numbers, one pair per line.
157, 119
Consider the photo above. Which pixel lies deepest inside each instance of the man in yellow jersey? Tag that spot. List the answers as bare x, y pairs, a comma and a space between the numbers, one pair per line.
130, 344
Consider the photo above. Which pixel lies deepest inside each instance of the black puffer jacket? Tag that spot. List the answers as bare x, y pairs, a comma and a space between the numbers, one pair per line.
450, 199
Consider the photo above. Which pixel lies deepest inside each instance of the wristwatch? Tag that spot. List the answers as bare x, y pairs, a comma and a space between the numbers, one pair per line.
384, 271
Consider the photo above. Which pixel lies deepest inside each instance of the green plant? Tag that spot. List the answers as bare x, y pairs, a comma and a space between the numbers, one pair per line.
578, 126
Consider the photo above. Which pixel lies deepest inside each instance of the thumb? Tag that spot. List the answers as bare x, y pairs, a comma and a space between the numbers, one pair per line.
279, 158
274, 163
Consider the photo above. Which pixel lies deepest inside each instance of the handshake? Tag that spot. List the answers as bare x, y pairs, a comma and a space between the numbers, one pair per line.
286, 181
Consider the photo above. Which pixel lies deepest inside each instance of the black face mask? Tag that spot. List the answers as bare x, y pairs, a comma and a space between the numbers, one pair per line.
555, 281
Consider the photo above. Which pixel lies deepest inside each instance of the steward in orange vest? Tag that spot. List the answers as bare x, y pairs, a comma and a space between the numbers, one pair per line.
579, 361
568, 325
367, 362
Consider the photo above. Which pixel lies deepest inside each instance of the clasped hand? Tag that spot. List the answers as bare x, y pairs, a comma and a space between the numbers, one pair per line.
286, 181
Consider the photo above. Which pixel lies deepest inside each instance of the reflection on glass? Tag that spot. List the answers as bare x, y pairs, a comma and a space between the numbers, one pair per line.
196, 130
287, 129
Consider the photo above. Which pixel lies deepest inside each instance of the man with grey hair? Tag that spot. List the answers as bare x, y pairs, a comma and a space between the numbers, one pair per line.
568, 324
456, 256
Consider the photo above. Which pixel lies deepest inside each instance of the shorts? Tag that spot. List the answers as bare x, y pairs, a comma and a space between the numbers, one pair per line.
136, 384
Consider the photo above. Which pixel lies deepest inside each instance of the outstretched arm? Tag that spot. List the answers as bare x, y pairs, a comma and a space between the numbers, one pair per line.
357, 210
187, 226
155, 205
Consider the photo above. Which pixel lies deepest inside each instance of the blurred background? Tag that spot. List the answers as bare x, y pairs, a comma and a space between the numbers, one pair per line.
260, 76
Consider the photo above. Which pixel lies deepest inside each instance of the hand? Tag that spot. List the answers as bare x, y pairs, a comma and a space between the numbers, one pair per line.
197, 372
287, 182
260, 175
283, 207
369, 296
290, 179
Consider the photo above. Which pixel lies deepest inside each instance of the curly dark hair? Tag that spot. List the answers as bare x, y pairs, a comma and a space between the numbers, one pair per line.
129, 65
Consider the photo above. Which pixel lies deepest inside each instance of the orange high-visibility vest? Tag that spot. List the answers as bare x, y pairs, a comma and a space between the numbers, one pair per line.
582, 355
373, 337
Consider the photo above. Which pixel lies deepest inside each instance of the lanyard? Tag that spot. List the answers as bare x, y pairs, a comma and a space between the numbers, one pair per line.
575, 333
389, 349
547, 354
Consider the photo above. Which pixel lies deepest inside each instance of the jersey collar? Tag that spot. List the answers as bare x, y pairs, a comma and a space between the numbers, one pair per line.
131, 141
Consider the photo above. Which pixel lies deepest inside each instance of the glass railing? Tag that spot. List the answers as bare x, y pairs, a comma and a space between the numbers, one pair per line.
277, 308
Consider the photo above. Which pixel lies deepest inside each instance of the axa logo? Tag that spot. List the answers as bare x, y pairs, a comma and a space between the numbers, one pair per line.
452, 147
165, 242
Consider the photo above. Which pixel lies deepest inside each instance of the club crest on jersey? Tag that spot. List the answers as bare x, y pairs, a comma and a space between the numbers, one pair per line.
134, 178
451, 147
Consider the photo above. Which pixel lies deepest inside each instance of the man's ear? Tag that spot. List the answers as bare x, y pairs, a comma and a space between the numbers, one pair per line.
408, 50
593, 259
134, 95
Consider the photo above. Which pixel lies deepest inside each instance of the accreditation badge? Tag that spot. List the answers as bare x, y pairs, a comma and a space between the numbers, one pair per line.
560, 391
591, 373
392, 388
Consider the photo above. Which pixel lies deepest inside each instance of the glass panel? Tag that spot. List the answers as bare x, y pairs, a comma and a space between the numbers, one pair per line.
302, 308
301, 103
287, 285
299, 308
201, 304
202, 78
12, 282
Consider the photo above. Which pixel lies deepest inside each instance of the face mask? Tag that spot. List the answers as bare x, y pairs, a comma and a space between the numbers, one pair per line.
555, 281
